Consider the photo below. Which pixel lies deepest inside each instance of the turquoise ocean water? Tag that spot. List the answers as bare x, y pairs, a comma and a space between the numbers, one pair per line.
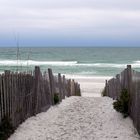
71, 61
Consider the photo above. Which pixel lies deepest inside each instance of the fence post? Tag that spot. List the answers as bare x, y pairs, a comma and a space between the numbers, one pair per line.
60, 86
52, 87
129, 74
64, 91
36, 89
129, 78
72, 88
1, 100
69, 87
118, 85
106, 88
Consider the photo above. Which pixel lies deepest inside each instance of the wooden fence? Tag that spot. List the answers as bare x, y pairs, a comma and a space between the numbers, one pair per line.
128, 79
25, 94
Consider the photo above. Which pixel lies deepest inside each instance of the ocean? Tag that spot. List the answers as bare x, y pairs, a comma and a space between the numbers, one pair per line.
90, 66
72, 61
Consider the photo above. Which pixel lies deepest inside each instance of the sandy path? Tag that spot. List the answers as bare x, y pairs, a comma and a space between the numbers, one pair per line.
78, 118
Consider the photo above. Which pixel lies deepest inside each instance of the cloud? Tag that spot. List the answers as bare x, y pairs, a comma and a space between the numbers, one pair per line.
75, 18
59, 19
49, 4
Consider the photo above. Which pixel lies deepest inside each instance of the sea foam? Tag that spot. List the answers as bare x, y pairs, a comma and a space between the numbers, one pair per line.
135, 64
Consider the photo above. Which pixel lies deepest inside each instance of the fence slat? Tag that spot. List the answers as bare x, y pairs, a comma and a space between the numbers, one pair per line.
52, 87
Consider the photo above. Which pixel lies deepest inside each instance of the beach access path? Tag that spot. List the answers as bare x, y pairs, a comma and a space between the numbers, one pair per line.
78, 118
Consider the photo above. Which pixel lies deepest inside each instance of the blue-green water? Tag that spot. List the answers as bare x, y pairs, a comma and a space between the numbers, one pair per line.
75, 61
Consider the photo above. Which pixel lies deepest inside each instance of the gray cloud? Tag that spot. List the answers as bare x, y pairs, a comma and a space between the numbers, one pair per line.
76, 17
103, 4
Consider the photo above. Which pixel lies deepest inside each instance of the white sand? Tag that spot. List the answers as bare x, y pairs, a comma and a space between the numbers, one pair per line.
78, 118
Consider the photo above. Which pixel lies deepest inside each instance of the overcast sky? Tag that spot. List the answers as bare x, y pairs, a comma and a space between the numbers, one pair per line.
70, 22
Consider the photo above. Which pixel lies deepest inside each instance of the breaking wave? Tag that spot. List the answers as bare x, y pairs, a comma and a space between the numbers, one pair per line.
135, 64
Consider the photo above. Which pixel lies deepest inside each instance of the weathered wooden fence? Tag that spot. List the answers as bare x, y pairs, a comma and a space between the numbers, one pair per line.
128, 79
25, 94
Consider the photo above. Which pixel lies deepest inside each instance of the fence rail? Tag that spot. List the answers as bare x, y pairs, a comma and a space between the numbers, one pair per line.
128, 79
25, 94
